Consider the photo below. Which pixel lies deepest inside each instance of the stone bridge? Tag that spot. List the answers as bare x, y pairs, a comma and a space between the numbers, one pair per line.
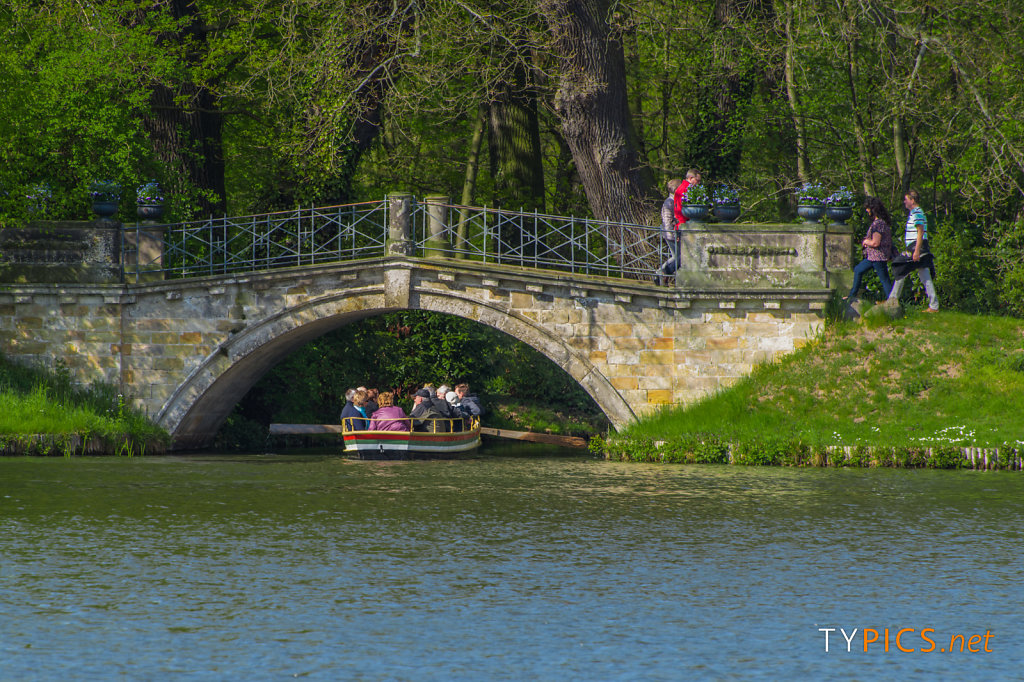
186, 351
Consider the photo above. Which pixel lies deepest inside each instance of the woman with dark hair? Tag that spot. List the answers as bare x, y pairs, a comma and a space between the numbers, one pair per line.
877, 248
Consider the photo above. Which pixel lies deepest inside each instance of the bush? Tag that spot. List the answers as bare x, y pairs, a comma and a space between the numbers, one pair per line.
1009, 247
965, 275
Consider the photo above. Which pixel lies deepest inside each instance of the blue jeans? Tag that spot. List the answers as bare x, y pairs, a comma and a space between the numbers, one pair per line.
881, 269
672, 264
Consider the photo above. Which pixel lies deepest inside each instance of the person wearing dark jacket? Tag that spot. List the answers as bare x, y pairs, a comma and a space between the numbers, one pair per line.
354, 418
458, 417
423, 412
346, 409
470, 403
443, 409
371, 401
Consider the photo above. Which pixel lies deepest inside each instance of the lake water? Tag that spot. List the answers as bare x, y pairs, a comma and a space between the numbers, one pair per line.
515, 564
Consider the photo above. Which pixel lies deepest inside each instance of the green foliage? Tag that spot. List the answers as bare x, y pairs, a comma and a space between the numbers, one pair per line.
105, 190
1009, 241
39, 401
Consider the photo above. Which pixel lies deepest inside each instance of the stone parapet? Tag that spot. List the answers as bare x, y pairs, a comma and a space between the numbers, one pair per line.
61, 252
783, 255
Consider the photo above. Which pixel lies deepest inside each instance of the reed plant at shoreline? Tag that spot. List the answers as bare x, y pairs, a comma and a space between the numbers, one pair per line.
41, 409
950, 380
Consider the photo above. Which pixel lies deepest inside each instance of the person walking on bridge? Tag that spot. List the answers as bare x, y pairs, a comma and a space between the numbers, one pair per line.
918, 255
672, 219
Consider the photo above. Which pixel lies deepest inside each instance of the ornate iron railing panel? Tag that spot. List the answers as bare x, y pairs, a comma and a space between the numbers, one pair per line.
314, 236
539, 240
303, 236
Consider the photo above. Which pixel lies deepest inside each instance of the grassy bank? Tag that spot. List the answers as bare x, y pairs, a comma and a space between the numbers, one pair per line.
42, 413
863, 394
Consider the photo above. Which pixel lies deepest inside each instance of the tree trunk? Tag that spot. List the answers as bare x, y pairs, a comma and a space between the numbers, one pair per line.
899, 146
185, 124
863, 156
514, 143
802, 162
593, 111
469, 184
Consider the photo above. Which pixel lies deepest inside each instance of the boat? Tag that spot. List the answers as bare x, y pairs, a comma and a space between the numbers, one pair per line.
439, 441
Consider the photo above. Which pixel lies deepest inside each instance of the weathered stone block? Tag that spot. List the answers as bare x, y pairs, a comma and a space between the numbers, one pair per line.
661, 343
722, 342
659, 397
618, 329
656, 357
655, 383
624, 383
628, 343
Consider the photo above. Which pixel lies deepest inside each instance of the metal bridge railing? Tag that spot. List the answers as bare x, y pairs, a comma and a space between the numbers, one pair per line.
538, 240
303, 236
313, 236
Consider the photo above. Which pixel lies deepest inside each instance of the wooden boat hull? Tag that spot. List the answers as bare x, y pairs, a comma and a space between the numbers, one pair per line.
412, 444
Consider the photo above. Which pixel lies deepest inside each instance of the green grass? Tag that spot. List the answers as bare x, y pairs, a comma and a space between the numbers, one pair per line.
923, 381
36, 401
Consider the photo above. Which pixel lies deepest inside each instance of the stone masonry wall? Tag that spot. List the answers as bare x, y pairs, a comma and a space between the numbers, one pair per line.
186, 351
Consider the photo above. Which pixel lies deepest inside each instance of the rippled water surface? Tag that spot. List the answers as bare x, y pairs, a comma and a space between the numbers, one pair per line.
500, 567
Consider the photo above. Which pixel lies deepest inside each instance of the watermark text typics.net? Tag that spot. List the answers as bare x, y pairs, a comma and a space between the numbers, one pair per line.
904, 640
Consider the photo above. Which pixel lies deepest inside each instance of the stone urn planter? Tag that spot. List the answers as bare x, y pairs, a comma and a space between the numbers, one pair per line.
105, 196
104, 208
726, 213
810, 212
839, 214
696, 212
150, 211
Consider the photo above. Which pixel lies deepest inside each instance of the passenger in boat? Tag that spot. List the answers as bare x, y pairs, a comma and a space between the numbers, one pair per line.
389, 417
348, 410
442, 406
424, 414
470, 403
458, 418
358, 420
371, 400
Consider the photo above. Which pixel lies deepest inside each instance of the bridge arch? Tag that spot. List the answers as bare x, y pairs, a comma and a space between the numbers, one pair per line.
198, 407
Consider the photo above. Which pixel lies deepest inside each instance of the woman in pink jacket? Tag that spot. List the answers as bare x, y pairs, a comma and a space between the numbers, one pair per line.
389, 417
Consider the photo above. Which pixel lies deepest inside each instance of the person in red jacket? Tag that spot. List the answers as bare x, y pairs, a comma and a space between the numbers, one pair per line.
671, 218
692, 178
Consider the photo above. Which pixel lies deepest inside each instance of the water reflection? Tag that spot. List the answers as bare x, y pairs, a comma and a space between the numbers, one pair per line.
495, 567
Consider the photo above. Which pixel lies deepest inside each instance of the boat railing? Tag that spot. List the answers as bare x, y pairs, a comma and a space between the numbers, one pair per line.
417, 424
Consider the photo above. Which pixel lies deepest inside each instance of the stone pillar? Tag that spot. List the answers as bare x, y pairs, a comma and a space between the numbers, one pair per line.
399, 222
437, 220
142, 252
839, 257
